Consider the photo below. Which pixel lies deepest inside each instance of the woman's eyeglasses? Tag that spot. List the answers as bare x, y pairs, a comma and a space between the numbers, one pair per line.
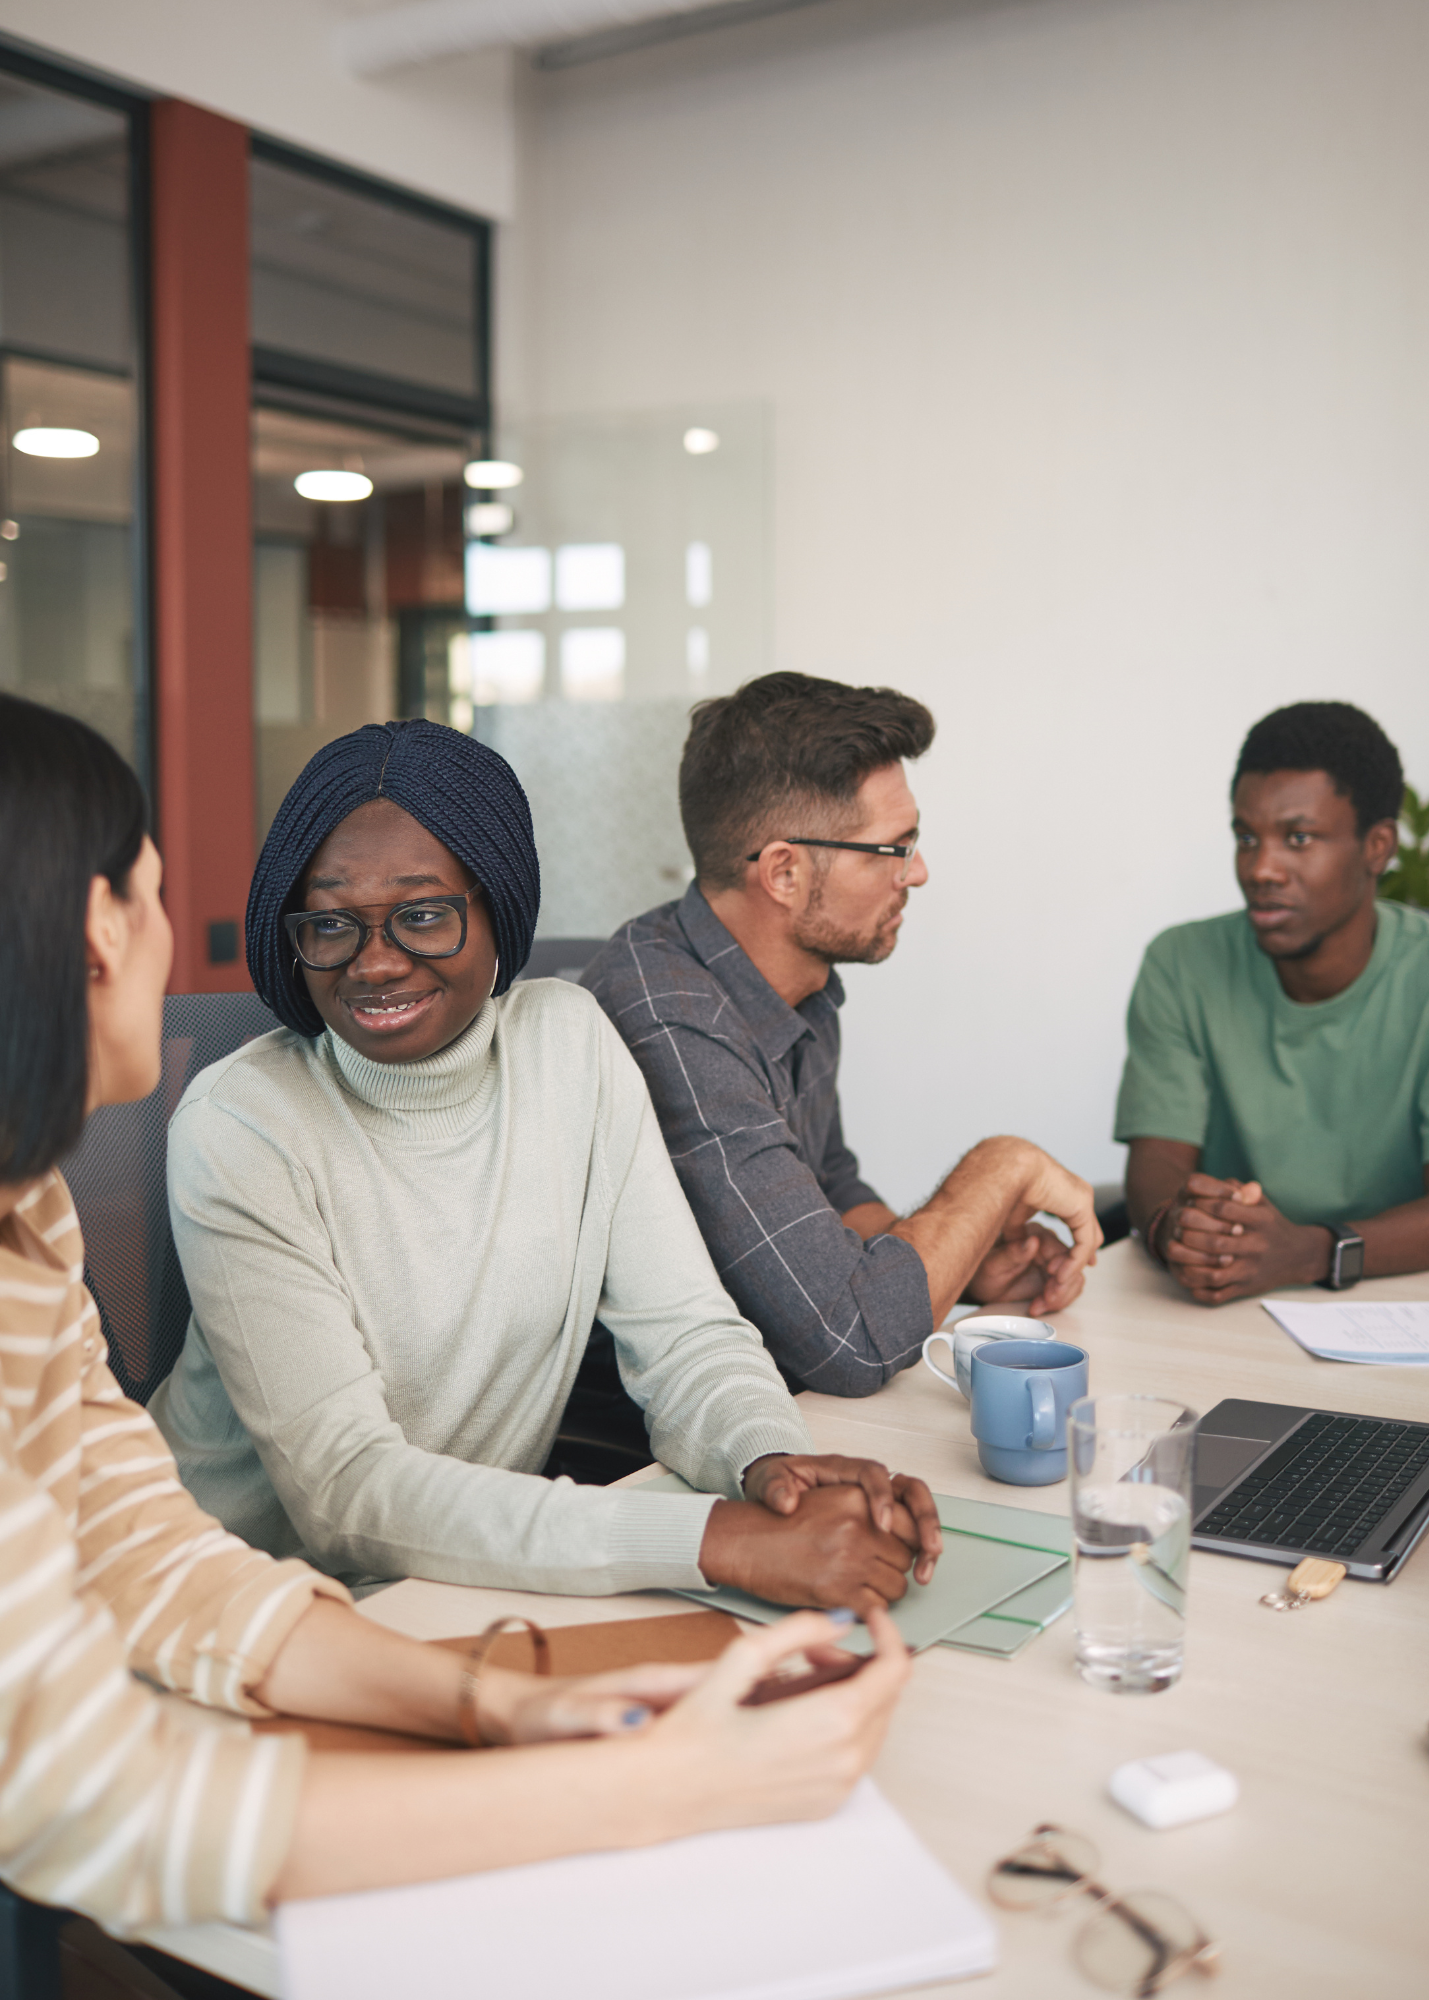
906, 851
434, 927
1136, 1943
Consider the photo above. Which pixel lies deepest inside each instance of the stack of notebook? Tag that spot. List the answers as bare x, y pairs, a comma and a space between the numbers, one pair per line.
1008, 1624
1005, 1575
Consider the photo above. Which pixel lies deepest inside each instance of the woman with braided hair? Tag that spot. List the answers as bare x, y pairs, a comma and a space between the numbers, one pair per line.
401, 1215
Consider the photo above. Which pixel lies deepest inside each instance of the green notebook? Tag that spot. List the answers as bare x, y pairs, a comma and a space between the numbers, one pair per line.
979, 1571
1005, 1629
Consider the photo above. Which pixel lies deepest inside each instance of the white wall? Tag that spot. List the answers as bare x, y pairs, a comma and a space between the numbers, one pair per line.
445, 130
1097, 337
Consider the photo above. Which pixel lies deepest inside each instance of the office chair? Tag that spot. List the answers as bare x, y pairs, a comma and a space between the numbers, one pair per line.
602, 1434
559, 958
116, 1175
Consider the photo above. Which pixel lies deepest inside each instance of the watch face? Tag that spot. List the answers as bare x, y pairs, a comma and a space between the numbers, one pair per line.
1349, 1261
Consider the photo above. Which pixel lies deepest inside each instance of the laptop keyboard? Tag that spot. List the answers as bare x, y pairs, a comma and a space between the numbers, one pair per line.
1325, 1488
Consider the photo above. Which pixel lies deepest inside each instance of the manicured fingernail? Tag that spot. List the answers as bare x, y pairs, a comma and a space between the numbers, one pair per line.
843, 1617
633, 1717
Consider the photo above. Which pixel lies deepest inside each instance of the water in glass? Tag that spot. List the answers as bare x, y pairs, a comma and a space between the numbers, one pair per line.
1131, 1517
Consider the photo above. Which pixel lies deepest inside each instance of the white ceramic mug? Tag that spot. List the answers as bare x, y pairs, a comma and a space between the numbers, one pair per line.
969, 1334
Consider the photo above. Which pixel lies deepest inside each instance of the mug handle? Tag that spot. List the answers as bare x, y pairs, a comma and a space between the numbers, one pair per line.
1044, 1413
947, 1340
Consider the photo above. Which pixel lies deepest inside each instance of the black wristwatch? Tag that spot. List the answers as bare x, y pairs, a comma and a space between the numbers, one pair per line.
1346, 1258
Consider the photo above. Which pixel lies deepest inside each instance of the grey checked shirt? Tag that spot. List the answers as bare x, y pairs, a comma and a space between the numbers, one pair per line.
746, 1091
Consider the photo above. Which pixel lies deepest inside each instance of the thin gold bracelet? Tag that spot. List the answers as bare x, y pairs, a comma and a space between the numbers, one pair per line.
468, 1689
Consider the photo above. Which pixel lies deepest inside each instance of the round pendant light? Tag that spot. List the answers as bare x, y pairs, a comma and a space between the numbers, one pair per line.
331, 484
44, 441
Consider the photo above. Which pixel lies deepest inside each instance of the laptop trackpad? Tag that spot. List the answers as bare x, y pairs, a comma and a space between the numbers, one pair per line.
1219, 1461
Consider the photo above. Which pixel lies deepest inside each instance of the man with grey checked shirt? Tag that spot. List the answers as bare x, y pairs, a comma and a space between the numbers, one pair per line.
804, 834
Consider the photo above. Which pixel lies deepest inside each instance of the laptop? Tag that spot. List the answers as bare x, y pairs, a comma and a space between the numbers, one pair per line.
1278, 1483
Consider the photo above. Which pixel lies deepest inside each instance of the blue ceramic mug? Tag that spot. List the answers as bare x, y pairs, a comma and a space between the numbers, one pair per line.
1022, 1390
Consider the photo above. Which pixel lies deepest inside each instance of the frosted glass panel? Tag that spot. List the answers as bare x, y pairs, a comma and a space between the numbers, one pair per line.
592, 663
674, 539
590, 576
500, 580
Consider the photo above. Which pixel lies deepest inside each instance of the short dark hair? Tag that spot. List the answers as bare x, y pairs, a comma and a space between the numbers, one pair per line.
1338, 739
785, 745
70, 809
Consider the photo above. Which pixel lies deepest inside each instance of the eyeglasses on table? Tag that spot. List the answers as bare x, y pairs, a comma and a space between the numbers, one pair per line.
1134, 1943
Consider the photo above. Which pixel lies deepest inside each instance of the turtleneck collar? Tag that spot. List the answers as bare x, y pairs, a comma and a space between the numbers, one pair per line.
442, 1094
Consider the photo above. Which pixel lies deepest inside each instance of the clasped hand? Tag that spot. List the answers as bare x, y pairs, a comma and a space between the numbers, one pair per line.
1223, 1240
823, 1530
1029, 1264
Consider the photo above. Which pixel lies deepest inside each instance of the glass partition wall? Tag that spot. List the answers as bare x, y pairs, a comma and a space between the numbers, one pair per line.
617, 574
70, 471
369, 398
566, 601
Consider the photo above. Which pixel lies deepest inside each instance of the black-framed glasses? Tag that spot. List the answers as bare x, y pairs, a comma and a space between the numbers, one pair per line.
1136, 1943
906, 851
431, 927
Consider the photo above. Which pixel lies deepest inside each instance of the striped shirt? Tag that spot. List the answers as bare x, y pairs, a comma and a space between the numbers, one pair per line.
113, 1801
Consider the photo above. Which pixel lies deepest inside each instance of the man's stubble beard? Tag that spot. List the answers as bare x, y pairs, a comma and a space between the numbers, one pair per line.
815, 934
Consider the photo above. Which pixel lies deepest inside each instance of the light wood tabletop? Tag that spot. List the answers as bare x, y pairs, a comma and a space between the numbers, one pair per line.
1314, 1884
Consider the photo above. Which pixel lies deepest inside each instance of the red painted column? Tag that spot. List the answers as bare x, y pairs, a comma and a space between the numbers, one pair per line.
202, 538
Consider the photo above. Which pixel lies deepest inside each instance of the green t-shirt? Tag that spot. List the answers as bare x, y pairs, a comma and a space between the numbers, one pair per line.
1326, 1105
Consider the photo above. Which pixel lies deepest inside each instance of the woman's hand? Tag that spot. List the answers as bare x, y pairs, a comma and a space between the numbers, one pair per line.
523, 1708
719, 1764
703, 1763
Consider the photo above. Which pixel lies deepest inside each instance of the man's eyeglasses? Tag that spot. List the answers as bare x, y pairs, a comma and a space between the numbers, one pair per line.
907, 852
434, 927
1137, 1943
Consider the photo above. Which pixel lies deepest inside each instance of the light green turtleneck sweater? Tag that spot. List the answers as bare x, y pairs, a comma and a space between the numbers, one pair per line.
394, 1269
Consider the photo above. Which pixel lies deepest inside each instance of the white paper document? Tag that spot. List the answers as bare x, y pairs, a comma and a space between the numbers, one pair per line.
817, 1911
1395, 1332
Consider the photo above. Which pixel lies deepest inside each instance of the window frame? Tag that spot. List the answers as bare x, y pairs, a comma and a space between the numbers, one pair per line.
67, 80
360, 389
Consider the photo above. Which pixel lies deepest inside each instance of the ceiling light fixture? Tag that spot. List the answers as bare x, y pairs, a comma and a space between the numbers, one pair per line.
41, 441
698, 441
492, 475
333, 485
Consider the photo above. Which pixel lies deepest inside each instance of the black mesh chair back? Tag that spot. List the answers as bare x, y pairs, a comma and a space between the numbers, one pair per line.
116, 1175
560, 958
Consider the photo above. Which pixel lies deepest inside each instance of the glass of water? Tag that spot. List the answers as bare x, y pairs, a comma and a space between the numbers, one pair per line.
1131, 1468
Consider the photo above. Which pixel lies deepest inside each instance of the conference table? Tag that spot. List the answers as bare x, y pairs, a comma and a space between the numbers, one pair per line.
1317, 1883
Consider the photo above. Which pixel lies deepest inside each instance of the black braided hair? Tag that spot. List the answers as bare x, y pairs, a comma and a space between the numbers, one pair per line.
461, 791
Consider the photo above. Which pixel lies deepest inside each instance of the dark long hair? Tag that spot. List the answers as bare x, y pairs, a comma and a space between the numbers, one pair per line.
70, 809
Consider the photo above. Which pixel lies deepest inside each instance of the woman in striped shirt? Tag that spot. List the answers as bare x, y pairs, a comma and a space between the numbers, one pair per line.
124, 1805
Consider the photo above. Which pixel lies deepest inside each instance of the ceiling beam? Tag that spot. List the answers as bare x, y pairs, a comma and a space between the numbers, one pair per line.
663, 28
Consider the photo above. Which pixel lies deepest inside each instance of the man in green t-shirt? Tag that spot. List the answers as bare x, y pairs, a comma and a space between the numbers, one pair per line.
1276, 1090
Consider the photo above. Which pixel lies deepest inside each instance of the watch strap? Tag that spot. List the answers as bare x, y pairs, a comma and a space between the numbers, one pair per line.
1345, 1242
